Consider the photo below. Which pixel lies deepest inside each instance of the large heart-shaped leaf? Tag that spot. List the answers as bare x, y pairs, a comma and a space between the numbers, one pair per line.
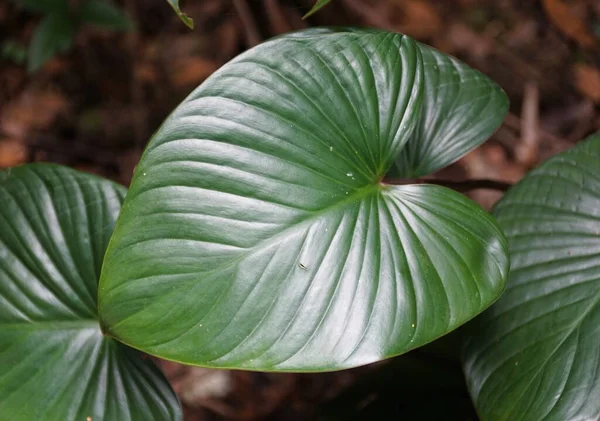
55, 224
534, 355
258, 233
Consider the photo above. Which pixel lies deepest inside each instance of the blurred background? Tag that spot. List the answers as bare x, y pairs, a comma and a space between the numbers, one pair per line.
85, 83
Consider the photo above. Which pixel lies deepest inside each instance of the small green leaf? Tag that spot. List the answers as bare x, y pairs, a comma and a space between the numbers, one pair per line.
13, 51
318, 6
534, 355
189, 22
56, 363
53, 35
104, 14
258, 233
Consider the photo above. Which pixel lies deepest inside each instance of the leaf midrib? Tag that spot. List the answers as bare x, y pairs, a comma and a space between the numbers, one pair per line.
52, 325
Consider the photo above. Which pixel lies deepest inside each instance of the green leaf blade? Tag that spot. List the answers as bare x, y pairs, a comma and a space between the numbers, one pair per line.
317, 6
189, 22
533, 355
53, 35
96, 377
55, 224
257, 234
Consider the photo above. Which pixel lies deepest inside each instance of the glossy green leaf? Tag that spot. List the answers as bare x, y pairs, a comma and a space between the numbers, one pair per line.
534, 355
258, 234
189, 22
319, 4
461, 109
56, 364
104, 14
53, 35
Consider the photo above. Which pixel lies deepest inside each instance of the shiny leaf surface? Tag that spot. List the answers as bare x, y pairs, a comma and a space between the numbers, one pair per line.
56, 364
534, 355
258, 233
461, 109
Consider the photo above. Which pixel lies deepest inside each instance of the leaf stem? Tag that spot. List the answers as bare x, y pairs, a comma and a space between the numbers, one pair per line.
460, 186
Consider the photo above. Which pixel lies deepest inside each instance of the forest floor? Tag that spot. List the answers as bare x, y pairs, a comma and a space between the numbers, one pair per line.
95, 107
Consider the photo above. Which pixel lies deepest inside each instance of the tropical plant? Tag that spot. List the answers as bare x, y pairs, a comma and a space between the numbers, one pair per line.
535, 354
278, 220
62, 19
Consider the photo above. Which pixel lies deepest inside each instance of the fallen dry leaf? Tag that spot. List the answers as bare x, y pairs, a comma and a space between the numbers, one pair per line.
191, 71
563, 17
463, 39
587, 81
12, 153
490, 161
200, 384
420, 19
33, 110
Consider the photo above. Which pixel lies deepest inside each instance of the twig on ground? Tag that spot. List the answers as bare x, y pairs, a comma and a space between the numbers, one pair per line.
527, 151
277, 20
251, 31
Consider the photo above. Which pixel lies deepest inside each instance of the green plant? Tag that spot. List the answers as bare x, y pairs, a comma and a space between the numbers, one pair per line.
55, 362
260, 230
319, 4
275, 222
535, 354
57, 29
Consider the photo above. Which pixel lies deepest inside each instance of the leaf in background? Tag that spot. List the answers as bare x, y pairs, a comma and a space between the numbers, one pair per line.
461, 109
319, 4
45, 6
534, 355
104, 14
53, 35
189, 22
55, 224
258, 234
